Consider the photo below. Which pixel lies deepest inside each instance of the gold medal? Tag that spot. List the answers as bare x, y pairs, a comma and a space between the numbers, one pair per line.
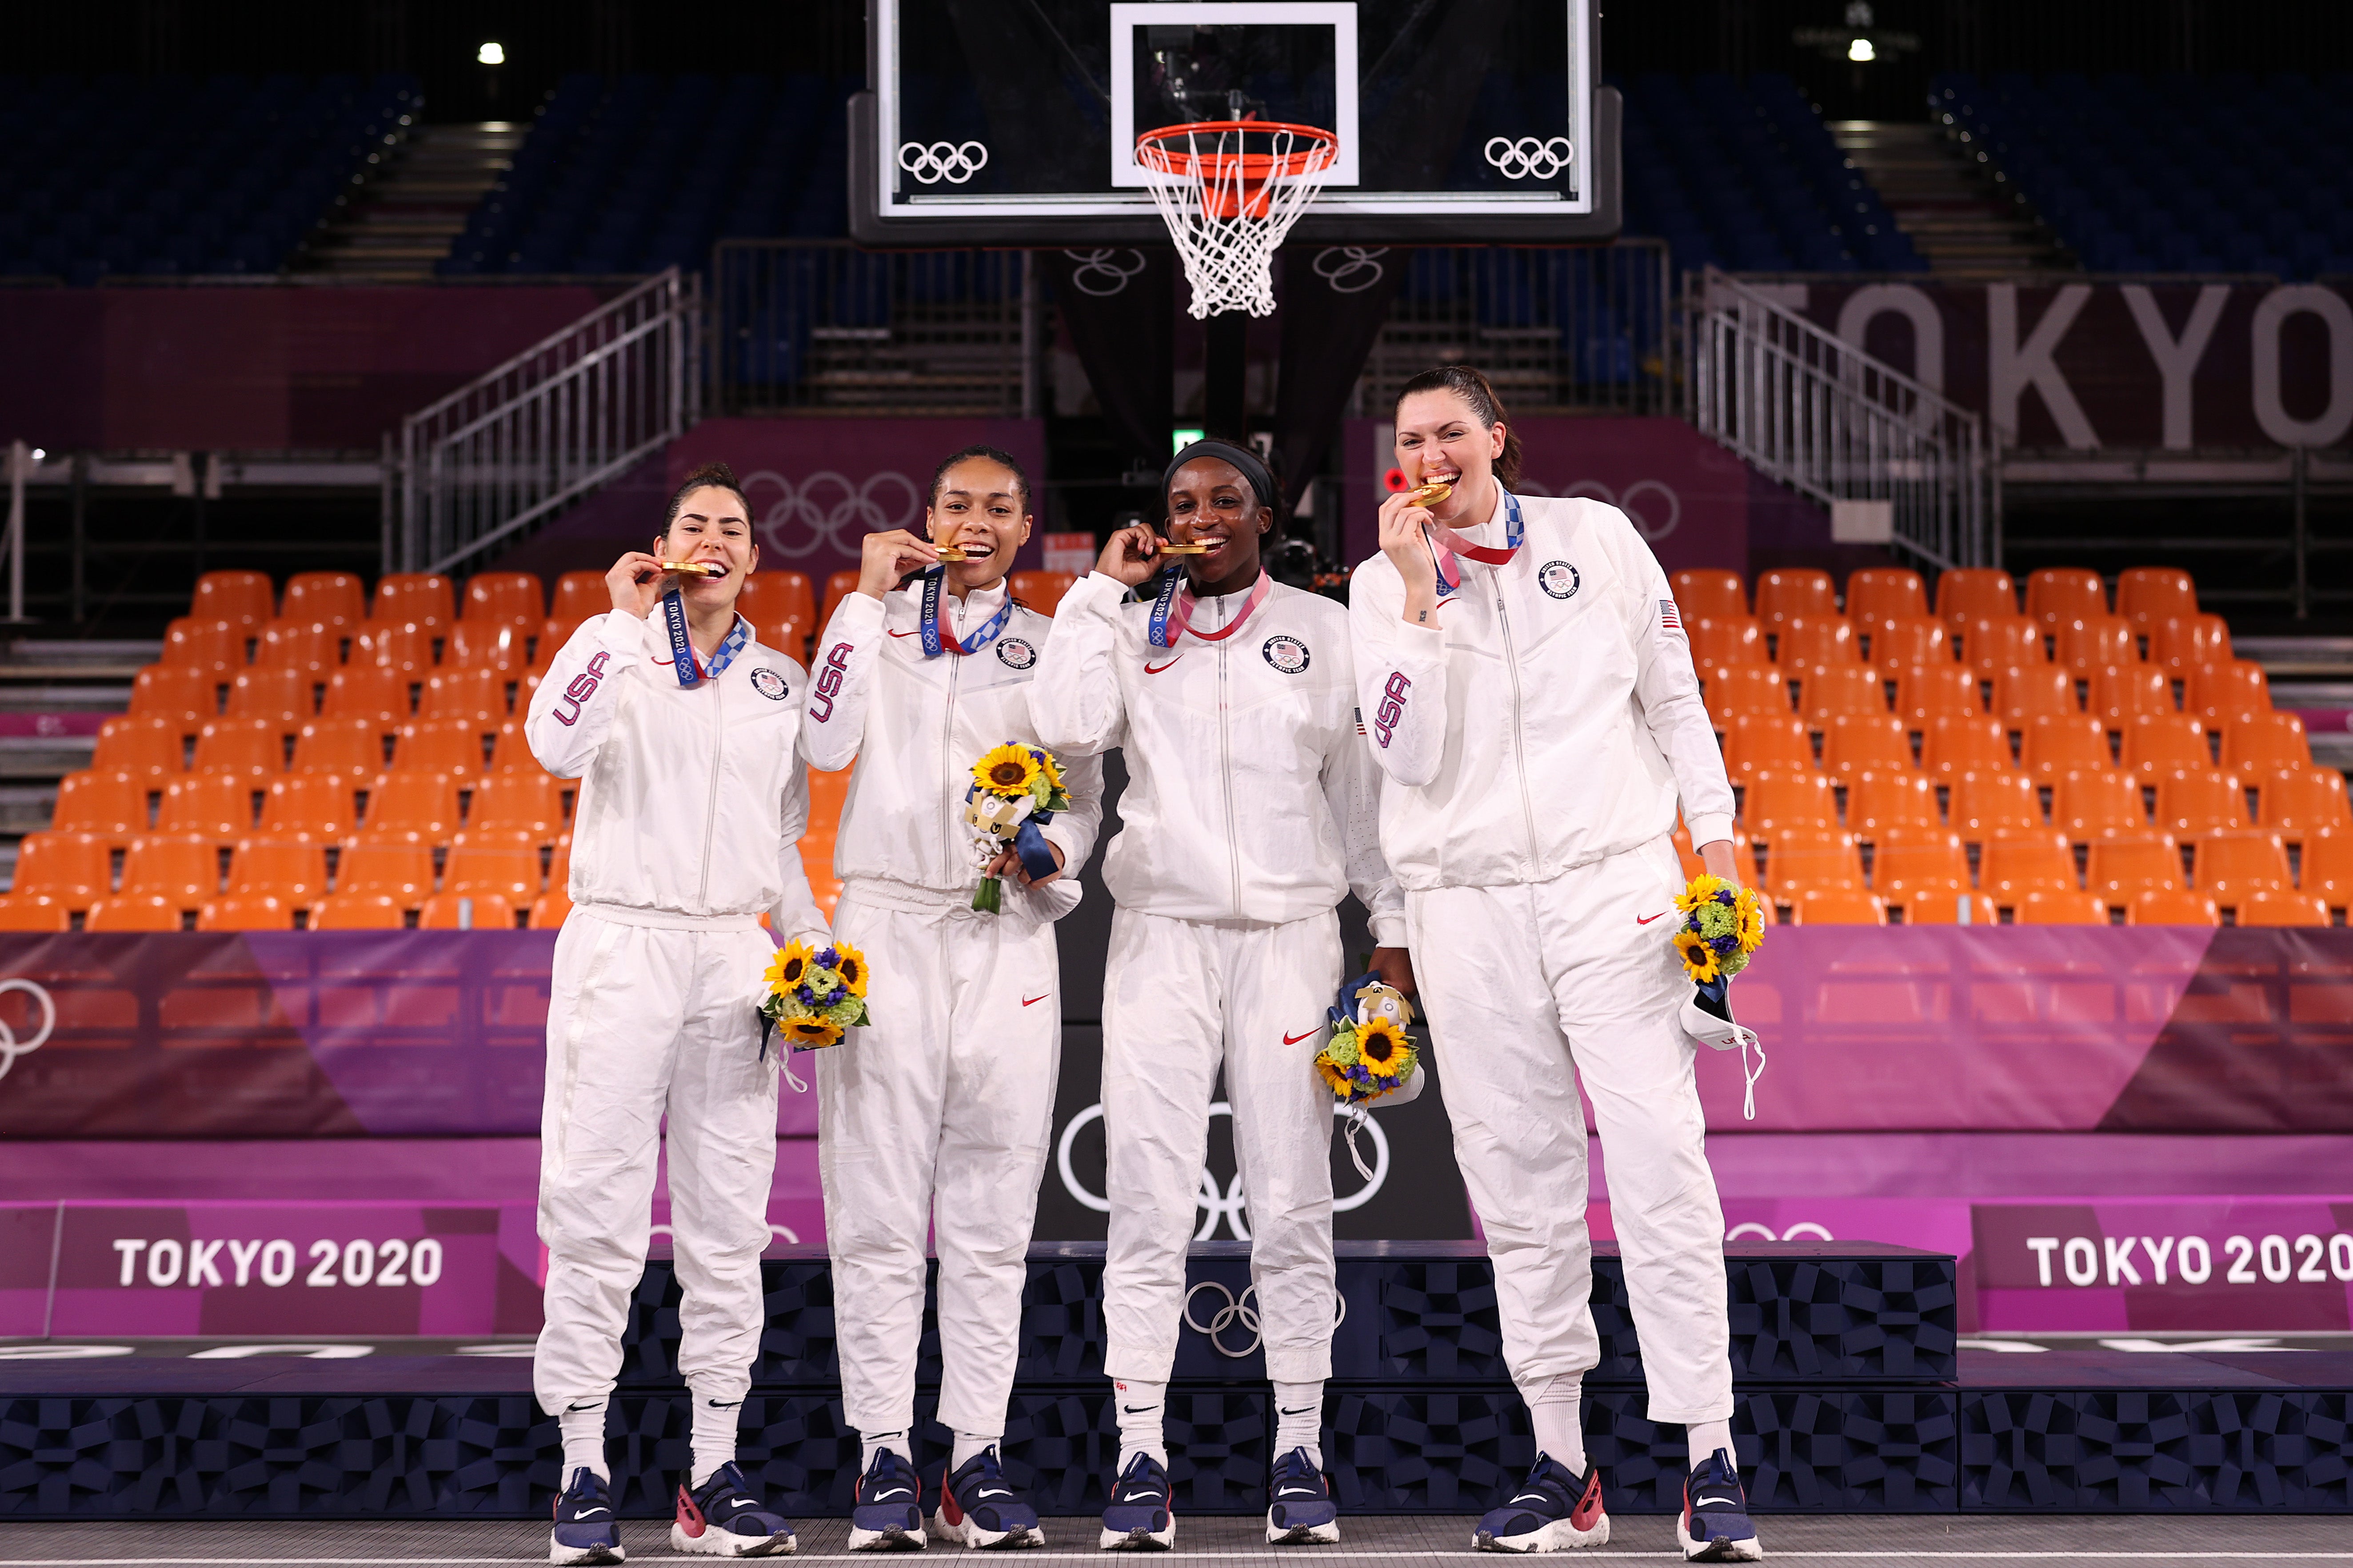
1429, 494
950, 553
1184, 549
695, 568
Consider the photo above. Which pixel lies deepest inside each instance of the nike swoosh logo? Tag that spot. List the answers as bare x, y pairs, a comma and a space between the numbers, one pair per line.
901, 1492
1157, 668
1294, 1039
1033, 1001
1646, 919
590, 1512
906, 634
1135, 1409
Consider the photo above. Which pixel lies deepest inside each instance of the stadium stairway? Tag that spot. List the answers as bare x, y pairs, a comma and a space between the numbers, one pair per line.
1969, 223
401, 223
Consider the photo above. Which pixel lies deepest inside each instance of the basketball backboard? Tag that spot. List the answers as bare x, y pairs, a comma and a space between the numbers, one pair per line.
1014, 122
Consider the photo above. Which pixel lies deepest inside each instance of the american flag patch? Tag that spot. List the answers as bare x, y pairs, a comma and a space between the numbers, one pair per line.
1360, 721
1667, 617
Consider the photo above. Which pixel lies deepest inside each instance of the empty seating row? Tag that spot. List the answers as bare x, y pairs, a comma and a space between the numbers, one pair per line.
2085, 804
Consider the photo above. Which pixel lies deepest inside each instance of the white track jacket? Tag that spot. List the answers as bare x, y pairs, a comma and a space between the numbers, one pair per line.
915, 726
1550, 718
1250, 793
693, 799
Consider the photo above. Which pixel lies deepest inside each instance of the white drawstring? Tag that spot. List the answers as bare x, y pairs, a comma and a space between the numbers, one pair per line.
1748, 1097
785, 1066
1357, 1117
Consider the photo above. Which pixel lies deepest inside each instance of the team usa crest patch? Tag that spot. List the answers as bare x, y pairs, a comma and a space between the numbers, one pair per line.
1287, 654
769, 684
1015, 654
1558, 578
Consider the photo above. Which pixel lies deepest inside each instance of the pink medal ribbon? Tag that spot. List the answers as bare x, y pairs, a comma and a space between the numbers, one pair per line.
1446, 544
1173, 617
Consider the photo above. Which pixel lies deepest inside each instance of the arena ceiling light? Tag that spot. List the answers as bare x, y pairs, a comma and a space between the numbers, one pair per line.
492, 55
1861, 52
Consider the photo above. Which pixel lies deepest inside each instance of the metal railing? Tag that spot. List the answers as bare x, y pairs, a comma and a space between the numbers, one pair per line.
548, 426
821, 326
1825, 419
1567, 330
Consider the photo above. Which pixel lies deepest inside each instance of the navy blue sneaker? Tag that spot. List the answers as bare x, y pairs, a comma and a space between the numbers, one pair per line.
1556, 1509
725, 1518
1299, 1510
978, 1508
1139, 1517
889, 1515
1715, 1526
586, 1530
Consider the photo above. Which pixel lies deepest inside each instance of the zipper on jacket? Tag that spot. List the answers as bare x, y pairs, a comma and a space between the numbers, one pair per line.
948, 750
711, 808
1226, 770
1519, 733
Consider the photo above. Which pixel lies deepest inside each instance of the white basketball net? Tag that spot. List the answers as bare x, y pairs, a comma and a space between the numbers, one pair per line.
1229, 191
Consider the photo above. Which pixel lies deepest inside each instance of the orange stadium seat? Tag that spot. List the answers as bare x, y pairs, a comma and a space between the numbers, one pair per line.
2060, 907
2172, 907
2147, 594
769, 596
508, 598
1852, 742
414, 808
2017, 858
219, 806
1896, 644
549, 909
1942, 908
552, 635
2199, 800
1882, 800
313, 647
511, 748
2327, 869
357, 912
578, 595
1991, 644
2228, 866
424, 597
2122, 865
1710, 592
441, 745
215, 646
465, 911
2057, 743
509, 871
1797, 797
2058, 595
368, 692
503, 839
1811, 857
288, 868
1967, 592
111, 805
140, 743
1926, 692
1910, 860
2119, 694
2282, 909
2085, 642
326, 598
311, 806
2297, 798
1885, 593
1745, 688
182, 866
403, 872
284, 697
34, 911
133, 911
789, 637
559, 865
1986, 800
1754, 740
2159, 742
1043, 591
1685, 855
72, 867
350, 746
245, 597
2023, 692
406, 647
1727, 640
1953, 744
1836, 907
485, 644
249, 748
1844, 688
2089, 803
529, 801
835, 586
478, 695
183, 695
2180, 644
1802, 643
2226, 690
1785, 591
2263, 740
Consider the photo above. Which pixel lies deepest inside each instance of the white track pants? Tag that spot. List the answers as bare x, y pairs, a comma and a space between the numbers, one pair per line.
937, 1118
1179, 998
644, 1022
1527, 988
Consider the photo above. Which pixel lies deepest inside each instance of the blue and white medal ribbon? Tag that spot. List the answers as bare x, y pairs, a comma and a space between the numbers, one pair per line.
1172, 610
937, 638
692, 671
1445, 544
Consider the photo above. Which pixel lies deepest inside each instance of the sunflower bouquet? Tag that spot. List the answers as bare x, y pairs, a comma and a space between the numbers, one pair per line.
1016, 790
1722, 926
813, 995
1368, 1053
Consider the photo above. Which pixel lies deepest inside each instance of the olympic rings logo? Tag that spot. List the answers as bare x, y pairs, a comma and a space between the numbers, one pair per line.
1530, 157
827, 513
1232, 1205
1094, 266
1238, 1310
953, 162
1338, 264
10, 1048
1663, 517
1765, 1232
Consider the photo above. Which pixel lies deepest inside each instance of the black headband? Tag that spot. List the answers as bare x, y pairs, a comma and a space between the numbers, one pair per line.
1241, 457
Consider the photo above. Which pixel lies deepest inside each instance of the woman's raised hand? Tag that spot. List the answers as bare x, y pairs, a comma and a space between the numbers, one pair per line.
888, 555
1406, 544
1131, 555
635, 582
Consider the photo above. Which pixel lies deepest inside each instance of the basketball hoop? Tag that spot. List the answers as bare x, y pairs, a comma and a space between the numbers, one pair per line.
1229, 191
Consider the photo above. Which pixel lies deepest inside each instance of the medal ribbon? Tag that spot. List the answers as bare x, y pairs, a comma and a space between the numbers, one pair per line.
1172, 612
692, 671
937, 638
1445, 544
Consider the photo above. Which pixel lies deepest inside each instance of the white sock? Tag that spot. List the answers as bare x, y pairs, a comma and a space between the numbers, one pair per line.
1142, 1415
1555, 1406
1705, 1438
583, 1426
713, 1438
873, 1443
1299, 1420
968, 1444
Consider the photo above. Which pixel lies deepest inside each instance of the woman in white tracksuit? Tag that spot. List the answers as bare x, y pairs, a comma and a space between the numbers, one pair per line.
1529, 693
1249, 815
934, 1120
682, 730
